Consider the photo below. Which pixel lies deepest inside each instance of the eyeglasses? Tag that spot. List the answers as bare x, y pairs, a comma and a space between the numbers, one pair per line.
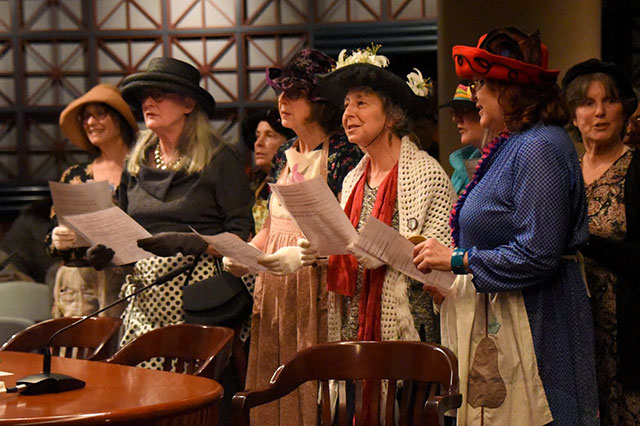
154, 93
475, 86
98, 113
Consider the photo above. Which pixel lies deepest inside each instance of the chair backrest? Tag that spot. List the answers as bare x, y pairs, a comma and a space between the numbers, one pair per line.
10, 326
423, 375
88, 340
199, 350
25, 299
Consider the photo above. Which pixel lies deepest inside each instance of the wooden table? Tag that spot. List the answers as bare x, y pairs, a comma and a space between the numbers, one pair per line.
116, 394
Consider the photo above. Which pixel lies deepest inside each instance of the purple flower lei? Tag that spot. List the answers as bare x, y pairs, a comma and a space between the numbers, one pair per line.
480, 171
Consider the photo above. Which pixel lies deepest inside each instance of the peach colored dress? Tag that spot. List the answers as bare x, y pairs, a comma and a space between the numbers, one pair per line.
289, 312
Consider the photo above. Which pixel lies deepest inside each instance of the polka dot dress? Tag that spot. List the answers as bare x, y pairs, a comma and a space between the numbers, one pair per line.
162, 305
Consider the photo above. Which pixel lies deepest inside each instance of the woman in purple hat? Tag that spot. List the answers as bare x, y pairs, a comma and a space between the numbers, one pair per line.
290, 300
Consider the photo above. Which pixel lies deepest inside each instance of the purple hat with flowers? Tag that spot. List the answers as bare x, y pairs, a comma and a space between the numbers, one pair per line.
300, 73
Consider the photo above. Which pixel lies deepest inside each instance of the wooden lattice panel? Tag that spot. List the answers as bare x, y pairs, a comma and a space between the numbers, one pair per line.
128, 14
335, 11
275, 12
5, 15
412, 9
8, 149
187, 14
50, 153
216, 58
7, 82
55, 72
47, 15
266, 51
116, 57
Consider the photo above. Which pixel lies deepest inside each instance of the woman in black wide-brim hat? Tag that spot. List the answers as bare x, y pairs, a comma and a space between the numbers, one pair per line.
395, 182
180, 175
601, 100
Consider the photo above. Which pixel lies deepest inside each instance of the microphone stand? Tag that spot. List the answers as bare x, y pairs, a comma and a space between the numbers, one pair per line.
48, 382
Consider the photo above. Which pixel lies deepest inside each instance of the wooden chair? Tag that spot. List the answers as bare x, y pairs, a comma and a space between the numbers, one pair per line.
423, 375
88, 340
199, 350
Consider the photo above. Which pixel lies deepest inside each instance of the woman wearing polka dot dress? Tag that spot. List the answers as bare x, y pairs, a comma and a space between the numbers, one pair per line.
518, 316
178, 175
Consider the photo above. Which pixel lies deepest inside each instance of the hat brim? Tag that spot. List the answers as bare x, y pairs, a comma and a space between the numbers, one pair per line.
593, 66
334, 86
103, 93
473, 63
135, 83
459, 104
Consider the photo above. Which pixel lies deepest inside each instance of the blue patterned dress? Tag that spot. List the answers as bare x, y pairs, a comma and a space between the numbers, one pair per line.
533, 202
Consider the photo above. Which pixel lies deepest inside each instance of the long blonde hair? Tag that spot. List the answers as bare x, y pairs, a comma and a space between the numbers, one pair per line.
198, 144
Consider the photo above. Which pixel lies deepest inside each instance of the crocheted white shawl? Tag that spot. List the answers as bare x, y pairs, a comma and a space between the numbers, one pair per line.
425, 194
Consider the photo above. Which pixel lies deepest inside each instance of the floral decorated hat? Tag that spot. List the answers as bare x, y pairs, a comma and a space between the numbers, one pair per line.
300, 73
506, 54
365, 68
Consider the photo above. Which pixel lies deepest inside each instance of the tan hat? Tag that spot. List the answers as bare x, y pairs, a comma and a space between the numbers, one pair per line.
102, 93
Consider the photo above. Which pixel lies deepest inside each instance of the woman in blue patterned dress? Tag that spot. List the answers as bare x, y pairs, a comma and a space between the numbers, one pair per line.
518, 315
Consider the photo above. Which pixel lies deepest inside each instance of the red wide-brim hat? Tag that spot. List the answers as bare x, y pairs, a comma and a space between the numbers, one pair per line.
476, 63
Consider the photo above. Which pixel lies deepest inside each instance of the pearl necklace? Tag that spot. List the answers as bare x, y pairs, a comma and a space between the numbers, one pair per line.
160, 164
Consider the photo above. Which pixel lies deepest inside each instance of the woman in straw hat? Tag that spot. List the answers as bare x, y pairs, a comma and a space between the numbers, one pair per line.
290, 311
518, 314
101, 123
179, 175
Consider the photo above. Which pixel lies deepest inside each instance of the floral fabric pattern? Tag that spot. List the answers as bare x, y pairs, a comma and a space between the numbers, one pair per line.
607, 219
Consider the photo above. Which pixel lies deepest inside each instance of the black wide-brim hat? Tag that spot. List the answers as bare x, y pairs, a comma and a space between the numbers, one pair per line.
334, 86
250, 124
171, 75
593, 66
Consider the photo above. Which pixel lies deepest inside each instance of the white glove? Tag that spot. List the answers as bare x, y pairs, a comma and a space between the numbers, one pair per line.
308, 254
62, 238
285, 261
235, 268
364, 259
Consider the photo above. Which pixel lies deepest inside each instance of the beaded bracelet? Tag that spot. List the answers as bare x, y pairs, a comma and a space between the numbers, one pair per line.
457, 261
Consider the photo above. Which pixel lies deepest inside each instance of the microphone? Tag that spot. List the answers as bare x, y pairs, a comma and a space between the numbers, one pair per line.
48, 382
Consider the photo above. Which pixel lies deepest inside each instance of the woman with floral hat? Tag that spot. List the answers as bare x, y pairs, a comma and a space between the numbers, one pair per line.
518, 314
180, 175
289, 310
101, 123
395, 182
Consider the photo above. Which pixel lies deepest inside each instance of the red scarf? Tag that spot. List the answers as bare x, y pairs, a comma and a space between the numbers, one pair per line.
343, 269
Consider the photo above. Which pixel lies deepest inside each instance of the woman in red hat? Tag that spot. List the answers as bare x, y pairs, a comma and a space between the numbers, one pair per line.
101, 123
518, 315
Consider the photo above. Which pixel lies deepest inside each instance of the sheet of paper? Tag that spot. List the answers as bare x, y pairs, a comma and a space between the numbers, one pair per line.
386, 244
87, 197
230, 245
115, 229
318, 214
